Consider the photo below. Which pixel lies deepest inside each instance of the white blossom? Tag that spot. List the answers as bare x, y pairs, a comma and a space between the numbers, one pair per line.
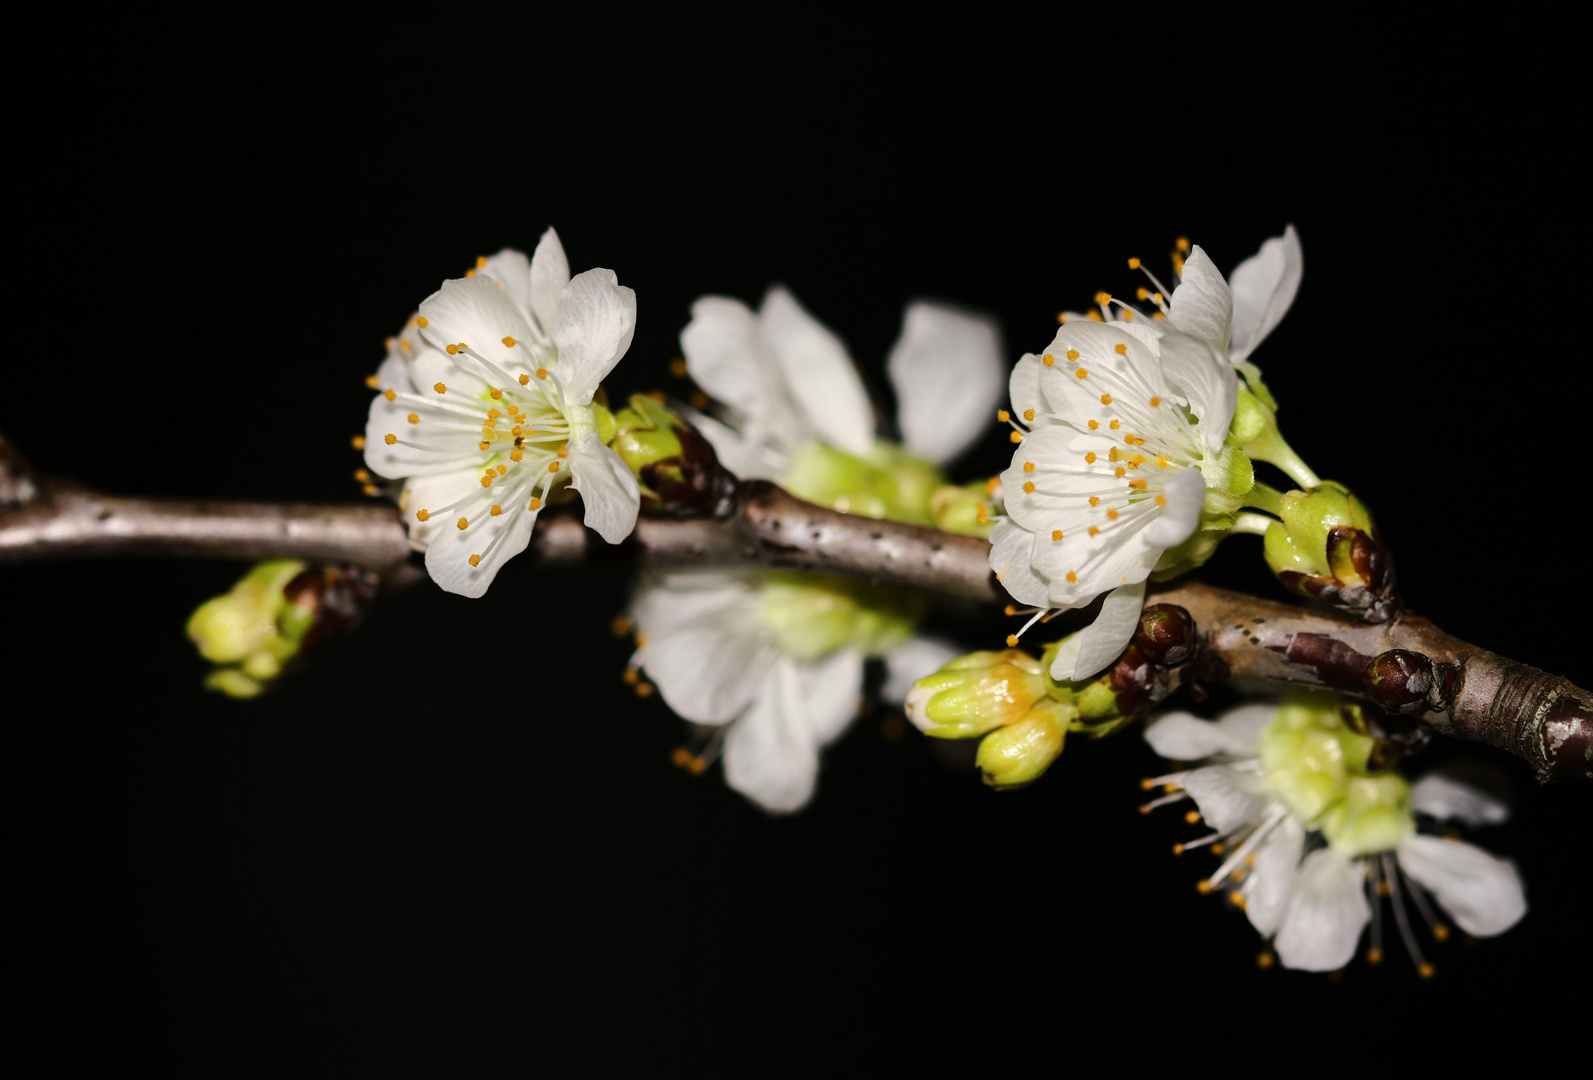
486, 407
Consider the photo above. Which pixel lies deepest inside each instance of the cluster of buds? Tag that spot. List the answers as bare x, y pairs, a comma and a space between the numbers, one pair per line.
1022, 716
1327, 548
276, 613
676, 468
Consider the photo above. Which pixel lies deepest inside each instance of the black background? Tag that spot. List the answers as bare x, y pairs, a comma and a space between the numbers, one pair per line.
455, 842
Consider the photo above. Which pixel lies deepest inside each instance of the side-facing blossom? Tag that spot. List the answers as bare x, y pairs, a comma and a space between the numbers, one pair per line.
1313, 836
775, 661
1125, 446
486, 407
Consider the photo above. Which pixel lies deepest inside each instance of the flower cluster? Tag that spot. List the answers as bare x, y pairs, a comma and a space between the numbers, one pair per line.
1314, 835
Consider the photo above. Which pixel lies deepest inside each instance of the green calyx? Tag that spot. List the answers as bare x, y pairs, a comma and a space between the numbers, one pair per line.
646, 436
977, 693
1101, 705
1229, 476
251, 631
886, 483
811, 616
1299, 542
1320, 768
1019, 753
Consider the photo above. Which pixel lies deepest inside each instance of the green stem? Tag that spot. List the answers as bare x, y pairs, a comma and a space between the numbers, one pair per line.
1271, 448
1265, 497
1256, 524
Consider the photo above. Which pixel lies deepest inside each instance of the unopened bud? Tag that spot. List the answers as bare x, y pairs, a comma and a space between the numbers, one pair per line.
976, 693
675, 466
275, 613
1112, 699
1166, 634
1326, 547
964, 510
1399, 681
1018, 754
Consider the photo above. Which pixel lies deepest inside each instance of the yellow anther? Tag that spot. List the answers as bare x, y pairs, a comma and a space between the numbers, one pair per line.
677, 367
502, 469
483, 445
486, 481
1094, 424
1072, 577
1161, 500
405, 346
1028, 466
1016, 436
1095, 500
369, 489
513, 409
1095, 316
421, 322
1089, 459
699, 400
1133, 264
1010, 609
462, 522
496, 509
1120, 472
422, 515
621, 627
1073, 354
1183, 244
1128, 314
1003, 416
641, 641
1156, 402
1012, 640
1161, 462
1028, 487
1111, 455
1081, 373
1178, 849
1106, 399
1120, 349
1111, 515
495, 393
1265, 960
389, 439
564, 451
1426, 971
1142, 293
451, 349
991, 485
1094, 531
389, 393
440, 388
536, 504
413, 418
1137, 485
1374, 956
524, 379
1056, 534
1028, 414
515, 455
361, 475
471, 273
1061, 316
370, 381
488, 425
553, 466
1440, 933
481, 262
493, 414
1158, 316
1048, 359
542, 373
1139, 459
1103, 298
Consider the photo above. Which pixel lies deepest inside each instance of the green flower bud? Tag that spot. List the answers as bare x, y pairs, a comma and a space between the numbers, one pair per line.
1229, 476
1309, 753
273, 614
1327, 547
675, 466
976, 693
1019, 753
1115, 697
1250, 419
888, 483
811, 616
964, 510
1373, 814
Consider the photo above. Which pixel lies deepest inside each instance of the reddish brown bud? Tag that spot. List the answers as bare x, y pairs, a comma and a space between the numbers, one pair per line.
1166, 634
1399, 681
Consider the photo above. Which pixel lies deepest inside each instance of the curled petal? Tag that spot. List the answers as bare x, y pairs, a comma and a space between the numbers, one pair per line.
608, 488
1202, 305
1263, 288
597, 317
946, 370
1104, 640
1185, 493
549, 274
1010, 549
1200, 372
511, 270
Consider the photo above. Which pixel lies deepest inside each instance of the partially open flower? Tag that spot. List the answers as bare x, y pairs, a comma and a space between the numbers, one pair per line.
487, 407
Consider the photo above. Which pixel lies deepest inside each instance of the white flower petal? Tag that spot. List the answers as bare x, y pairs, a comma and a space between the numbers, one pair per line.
608, 488
1203, 375
497, 539
549, 274
512, 270
596, 319
398, 462
665, 600
1271, 881
706, 649
1023, 387
1104, 640
744, 456
830, 690
1443, 794
912, 660
394, 372
770, 756
1326, 914
1227, 798
819, 375
1185, 492
1202, 304
1481, 891
1263, 288
1184, 737
439, 490
946, 370
726, 357
1011, 546
474, 311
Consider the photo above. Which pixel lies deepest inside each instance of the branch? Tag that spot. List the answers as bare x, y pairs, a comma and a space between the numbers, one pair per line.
1406, 666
